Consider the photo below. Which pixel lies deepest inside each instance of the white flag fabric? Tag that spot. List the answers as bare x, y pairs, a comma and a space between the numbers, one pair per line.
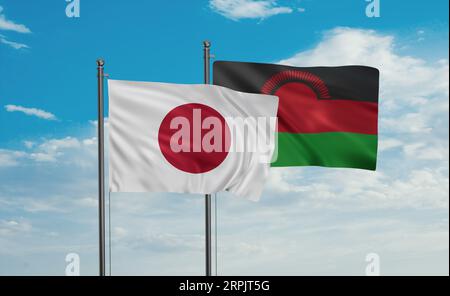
189, 138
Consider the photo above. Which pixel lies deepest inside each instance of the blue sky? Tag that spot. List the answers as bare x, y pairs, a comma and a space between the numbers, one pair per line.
47, 138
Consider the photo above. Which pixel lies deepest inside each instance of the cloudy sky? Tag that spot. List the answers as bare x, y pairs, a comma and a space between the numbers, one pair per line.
310, 221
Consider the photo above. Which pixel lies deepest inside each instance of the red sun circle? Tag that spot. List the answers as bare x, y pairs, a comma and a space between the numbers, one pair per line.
191, 155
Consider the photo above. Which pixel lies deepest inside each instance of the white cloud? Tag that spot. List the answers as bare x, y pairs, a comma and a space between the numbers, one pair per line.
161, 242
328, 241
15, 45
51, 150
8, 227
29, 144
423, 188
281, 180
9, 25
400, 75
406, 123
31, 112
388, 144
54, 145
47, 205
119, 233
90, 141
248, 9
10, 158
43, 157
90, 202
63, 151
427, 151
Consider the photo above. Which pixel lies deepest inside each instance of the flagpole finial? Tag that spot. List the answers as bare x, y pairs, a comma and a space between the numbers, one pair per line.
100, 62
206, 43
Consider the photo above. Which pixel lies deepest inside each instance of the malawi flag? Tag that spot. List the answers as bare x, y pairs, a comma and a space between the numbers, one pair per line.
327, 116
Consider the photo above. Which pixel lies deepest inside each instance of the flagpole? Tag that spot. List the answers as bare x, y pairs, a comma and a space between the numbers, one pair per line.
208, 208
101, 168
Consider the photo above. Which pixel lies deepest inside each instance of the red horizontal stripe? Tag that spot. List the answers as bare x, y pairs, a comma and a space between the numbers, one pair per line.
300, 111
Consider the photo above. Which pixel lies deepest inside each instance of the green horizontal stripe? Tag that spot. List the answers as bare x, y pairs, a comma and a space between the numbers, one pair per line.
336, 149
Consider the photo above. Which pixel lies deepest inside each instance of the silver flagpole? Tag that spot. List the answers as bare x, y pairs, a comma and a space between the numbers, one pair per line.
101, 168
208, 208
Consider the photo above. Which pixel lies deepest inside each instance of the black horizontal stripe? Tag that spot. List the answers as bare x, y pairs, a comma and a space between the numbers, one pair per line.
358, 83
